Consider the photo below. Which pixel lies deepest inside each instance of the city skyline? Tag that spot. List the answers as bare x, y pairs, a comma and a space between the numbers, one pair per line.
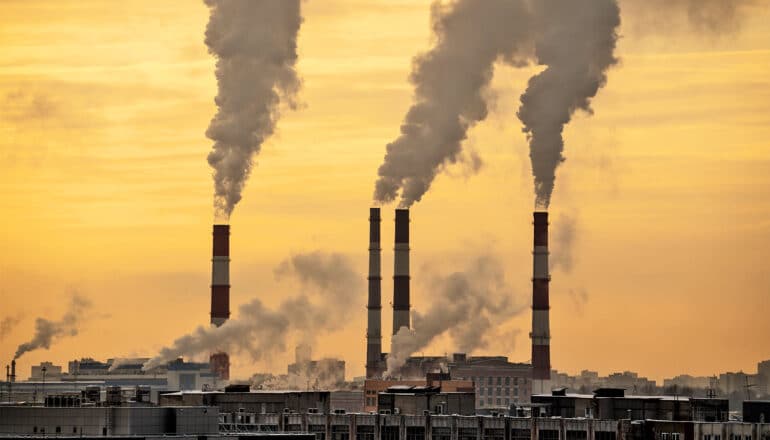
659, 219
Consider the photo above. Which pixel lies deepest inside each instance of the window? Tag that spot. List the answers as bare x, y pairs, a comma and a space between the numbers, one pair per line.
466, 433
674, 436
481, 402
515, 380
389, 433
499, 401
717, 437
34, 429
494, 434
340, 432
507, 391
498, 391
521, 434
58, 429
441, 433
365, 432
415, 433
707, 437
576, 435
489, 381
507, 401
489, 401
516, 391
604, 435
318, 430
507, 380
548, 434
74, 430
499, 380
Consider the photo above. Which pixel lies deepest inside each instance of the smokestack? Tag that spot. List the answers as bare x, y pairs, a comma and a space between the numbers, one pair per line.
13, 370
374, 306
220, 294
541, 335
401, 272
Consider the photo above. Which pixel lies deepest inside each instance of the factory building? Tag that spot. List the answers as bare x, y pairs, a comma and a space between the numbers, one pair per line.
420, 400
32, 421
239, 398
613, 404
441, 381
498, 382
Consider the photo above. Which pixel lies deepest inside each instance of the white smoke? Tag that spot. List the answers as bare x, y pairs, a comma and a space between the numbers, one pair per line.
47, 331
465, 305
255, 44
449, 82
331, 291
576, 42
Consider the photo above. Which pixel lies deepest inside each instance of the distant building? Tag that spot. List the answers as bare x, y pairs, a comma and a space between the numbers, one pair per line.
613, 404
107, 421
239, 398
323, 373
373, 387
763, 378
498, 382
45, 371
422, 400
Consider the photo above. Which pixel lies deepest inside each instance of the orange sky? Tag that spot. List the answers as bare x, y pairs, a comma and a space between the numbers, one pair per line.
105, 187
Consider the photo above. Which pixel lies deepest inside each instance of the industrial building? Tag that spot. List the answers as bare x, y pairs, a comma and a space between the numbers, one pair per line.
239, 398
613, 404
416, 400
440, 381
107, 421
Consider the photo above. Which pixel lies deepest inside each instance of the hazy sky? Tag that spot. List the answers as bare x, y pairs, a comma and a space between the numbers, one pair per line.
105, 189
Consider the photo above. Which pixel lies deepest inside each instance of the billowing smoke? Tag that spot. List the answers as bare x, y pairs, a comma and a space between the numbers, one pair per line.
7, 325
47, 331
331, 291
466, 305
563, 242
576, 42
255, 44
324, 374
449, 83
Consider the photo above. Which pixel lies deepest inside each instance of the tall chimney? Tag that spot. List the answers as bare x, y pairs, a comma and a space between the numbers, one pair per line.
220, 294
541, 335
13, 370
401, 272
374, 306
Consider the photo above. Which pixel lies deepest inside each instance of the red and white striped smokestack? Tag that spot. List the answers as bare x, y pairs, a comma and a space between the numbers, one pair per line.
401, 272
220, 294
374, 306
541, 335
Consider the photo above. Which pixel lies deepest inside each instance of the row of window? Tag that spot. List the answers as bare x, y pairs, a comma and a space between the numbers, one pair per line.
496, 380
498, 401
498, 391
732, 437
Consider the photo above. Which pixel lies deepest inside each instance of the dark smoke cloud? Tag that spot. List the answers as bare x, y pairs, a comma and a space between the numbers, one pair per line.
47, 331
7, 325
576, 42
331, 291
466, 305
255, 44
563, 242
449, 82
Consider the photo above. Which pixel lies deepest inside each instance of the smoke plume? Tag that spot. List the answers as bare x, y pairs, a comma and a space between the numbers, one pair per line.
47, 331
121, 362
564, 235
449, 82
255, 44
467, 305
331, 290
7, 325
576, 42
323, 374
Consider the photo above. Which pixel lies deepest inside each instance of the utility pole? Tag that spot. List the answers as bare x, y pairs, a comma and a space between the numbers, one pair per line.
748, 387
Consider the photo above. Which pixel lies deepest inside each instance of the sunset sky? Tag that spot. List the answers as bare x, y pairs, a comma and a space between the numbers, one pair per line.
105, 189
